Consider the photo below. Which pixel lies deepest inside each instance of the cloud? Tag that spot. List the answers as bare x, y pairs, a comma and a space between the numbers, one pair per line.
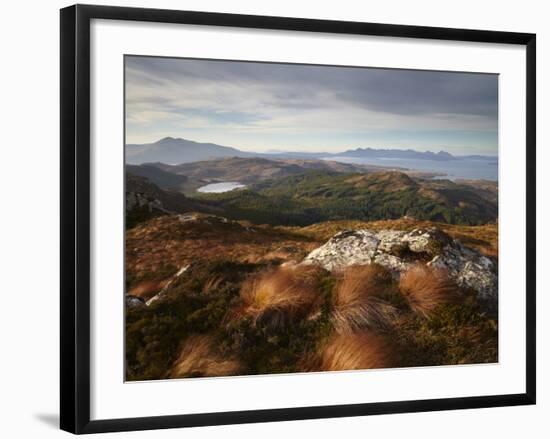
252, 103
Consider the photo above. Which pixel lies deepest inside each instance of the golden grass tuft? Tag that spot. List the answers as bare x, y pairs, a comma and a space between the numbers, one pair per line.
356, 351
425, 288
357, 302
147, 289
212, 284
198, 358
280, 295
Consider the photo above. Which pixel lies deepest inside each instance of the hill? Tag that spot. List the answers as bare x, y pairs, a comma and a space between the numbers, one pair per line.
321, 196
155, 174
171, 150
145, 200
187, 177
484, 188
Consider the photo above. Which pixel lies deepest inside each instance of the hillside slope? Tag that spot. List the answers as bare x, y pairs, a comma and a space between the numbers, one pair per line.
321, 196
187, 177
159, 177
145, 200
209, 296
157, 248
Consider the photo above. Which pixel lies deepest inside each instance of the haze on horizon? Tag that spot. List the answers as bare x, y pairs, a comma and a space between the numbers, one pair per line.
265, 106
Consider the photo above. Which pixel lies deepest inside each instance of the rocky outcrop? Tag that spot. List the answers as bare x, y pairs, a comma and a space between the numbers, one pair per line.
136, 200
140, 193
134, 301
398, 250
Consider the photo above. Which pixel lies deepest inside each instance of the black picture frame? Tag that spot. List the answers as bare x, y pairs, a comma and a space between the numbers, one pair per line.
75, 217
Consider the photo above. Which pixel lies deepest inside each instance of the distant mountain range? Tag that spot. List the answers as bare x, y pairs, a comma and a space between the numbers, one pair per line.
398, 154
176, 151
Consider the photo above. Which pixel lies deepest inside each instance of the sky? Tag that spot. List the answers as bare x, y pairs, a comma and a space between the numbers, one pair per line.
289, 107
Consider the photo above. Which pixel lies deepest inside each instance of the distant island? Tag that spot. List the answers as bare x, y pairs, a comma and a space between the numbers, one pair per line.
407, 154
172, 150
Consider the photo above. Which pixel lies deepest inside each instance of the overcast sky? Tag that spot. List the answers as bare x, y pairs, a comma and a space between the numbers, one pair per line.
264, 106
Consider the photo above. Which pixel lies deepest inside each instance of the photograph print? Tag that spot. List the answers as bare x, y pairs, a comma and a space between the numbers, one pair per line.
294, 218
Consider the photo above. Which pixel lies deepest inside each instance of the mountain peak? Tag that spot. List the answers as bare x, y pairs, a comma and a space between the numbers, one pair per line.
167, 139
175, 150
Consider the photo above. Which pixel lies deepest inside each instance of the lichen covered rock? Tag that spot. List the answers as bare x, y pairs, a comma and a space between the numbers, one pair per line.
399, 250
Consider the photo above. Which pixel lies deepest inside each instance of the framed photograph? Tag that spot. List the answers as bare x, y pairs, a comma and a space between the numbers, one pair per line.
268, 219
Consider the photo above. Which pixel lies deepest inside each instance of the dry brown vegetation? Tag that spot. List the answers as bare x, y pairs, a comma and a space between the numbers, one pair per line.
426, 288
358, 301
363, 350
147, 288
280, 295
157, 248
246, 307
198, 358
212, 284
483, 238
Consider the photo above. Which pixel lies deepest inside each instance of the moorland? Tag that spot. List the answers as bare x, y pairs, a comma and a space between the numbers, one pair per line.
313, 265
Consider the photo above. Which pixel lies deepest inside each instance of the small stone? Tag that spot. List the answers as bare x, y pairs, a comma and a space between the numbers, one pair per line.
134, 301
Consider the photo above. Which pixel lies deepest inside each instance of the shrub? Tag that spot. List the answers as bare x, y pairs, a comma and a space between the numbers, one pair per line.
358, 302
154, 333
458, 333
363, 350
198, 358
426, 288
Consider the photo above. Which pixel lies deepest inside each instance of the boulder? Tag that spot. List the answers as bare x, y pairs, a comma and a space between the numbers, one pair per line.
398, 250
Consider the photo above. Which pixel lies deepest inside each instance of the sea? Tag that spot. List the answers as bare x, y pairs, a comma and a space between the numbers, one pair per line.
467, 168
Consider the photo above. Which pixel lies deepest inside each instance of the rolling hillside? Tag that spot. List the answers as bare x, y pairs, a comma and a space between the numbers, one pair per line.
187, 177
321, 196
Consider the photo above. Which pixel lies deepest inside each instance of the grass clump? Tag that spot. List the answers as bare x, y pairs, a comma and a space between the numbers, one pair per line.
280, 295
147, 288
154, 333
425, 288
199, 357
272, 334
363, 350
358, 299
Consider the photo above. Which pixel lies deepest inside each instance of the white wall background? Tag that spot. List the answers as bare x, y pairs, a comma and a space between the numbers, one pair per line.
29, 248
